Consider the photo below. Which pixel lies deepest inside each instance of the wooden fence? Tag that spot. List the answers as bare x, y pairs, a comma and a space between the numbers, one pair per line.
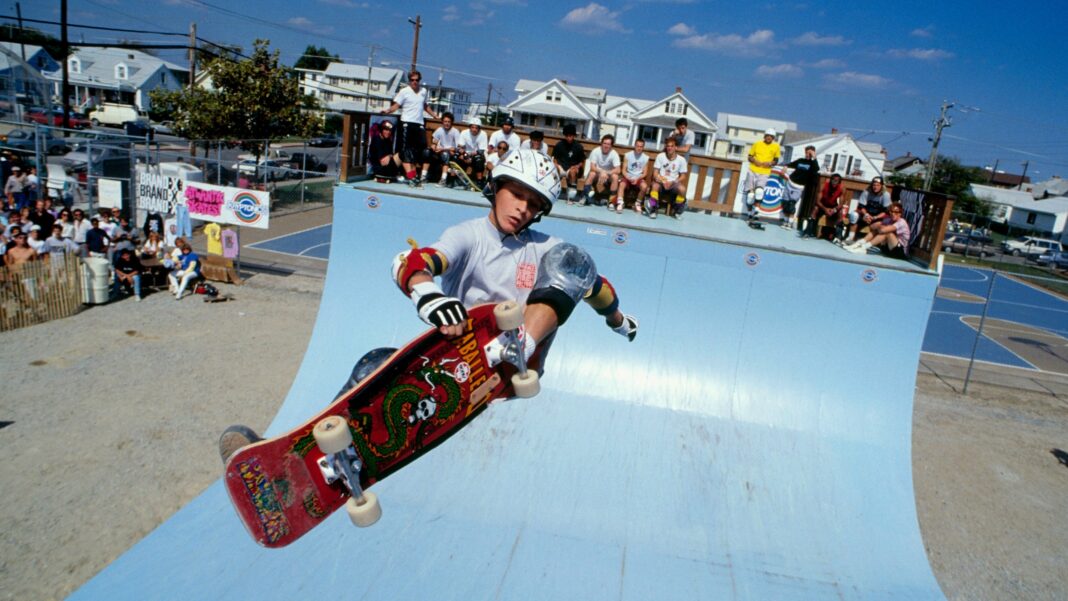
40, 291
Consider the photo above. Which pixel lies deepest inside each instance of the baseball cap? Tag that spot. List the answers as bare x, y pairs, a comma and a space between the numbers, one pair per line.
35, 228
477, 121
386, 125
509, 121
770, 132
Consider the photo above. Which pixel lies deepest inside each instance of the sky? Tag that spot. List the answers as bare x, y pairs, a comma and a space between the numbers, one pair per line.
879, 73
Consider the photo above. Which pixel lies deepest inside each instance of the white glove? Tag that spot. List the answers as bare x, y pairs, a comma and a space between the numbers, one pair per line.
435, 308
628, 328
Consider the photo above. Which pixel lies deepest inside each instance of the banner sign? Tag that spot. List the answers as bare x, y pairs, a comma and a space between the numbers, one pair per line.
109, 193
207, 202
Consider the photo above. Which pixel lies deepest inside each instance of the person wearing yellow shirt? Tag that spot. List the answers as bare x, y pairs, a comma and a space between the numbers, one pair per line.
764, 155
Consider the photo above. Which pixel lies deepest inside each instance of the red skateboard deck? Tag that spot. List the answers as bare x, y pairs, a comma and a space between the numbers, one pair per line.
416, 399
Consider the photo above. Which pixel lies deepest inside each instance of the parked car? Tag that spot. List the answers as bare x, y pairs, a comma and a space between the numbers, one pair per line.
305, 161
139, 128
1030, 246
977, 245
325, 141
164, 127
114, 114
275, 169
25, 140
1055, 259
54, 118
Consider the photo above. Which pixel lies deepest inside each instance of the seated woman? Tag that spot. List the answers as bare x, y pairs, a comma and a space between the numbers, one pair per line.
186, 271
891, 235
153, 247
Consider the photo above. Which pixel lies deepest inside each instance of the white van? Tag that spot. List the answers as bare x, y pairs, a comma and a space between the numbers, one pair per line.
115, 115
1030, 246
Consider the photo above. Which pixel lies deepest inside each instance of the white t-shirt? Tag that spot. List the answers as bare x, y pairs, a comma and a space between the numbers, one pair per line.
544, 149
487, 266
472, 144
602, 161
672, 169
493, 159
687, 140
447, 139
635, 163
512, 139
411, 104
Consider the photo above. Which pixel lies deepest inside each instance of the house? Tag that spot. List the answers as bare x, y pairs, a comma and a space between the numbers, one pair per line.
737, 133
116, 75
905, 165
21, 84
1055, 186
347, 87
1022, 213
1000, 179
838, 153
550, 105
655, 123
444, 99
36, 56
616, 116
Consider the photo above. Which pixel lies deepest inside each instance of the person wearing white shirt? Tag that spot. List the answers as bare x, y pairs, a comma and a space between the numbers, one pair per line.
494, 159
604, 169
635, 174
669, 175
412, 103
506, 134
443, 144
684, 138
536, 143
472, 150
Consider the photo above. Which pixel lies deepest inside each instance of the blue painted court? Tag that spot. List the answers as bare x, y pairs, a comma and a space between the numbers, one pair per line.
947, 333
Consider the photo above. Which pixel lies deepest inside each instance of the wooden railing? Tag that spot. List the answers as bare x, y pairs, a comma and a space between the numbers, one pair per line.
40, 291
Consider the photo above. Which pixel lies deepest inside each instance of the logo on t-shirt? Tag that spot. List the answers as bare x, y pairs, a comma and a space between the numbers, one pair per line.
525, 274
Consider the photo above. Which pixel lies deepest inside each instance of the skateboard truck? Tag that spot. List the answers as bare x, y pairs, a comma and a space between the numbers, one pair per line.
341, 462
509, 347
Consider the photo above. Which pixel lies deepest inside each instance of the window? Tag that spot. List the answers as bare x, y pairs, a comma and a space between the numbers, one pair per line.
163, 78
827, 166
1031, 216
647, 133
121, 72
699, 141
527, 119
75, 65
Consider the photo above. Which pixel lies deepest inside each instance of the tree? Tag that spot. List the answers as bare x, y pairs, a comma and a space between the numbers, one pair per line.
953, 179
27, 35
252, 101
316, 58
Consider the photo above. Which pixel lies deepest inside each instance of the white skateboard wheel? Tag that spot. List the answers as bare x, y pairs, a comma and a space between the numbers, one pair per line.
332, 435
526, 385
509, 315
366, 514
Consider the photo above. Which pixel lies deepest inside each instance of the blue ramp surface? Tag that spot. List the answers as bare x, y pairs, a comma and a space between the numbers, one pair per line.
752, 443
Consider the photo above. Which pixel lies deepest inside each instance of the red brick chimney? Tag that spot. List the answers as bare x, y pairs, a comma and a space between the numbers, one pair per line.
834, 130
678, 90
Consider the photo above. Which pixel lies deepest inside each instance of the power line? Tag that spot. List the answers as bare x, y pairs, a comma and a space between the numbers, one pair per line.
119, 29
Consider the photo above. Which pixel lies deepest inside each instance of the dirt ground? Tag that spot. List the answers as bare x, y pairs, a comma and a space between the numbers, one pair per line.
990, 491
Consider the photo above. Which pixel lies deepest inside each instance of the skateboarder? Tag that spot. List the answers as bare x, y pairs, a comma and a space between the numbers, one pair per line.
496, 258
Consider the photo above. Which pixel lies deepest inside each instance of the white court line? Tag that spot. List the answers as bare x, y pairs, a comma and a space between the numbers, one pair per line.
1007, 349
311, 248
982, 276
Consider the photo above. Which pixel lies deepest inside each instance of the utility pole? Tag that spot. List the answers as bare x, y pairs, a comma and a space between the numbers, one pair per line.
942, 122
1025, 164
370, 59
22, 32
193, 78
489, 93
418, 22
65, 46
440, 108
994, 170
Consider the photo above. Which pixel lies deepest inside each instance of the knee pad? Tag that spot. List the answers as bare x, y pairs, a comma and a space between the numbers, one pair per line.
854, 217
445, 157
565, 274
427, 155
478, 164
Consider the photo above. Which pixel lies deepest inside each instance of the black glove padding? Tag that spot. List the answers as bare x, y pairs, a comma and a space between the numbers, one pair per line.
435, 308
628, 328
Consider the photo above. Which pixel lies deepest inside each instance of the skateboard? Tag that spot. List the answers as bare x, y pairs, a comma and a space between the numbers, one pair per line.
464, 176
285, 486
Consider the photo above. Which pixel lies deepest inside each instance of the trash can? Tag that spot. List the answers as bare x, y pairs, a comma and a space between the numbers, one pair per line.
97, 284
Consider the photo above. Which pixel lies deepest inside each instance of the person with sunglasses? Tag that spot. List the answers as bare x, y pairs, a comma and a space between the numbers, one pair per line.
412, 102
871, 208
890, 236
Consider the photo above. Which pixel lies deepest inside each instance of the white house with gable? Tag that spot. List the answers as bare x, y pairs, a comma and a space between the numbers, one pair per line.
116, 75
655, 123
617, 116
737, 133
839, 153
1019, 210
347, 87
550, 105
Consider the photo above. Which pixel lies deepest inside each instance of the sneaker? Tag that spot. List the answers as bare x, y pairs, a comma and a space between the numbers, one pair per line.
619, 207
874, 250
442, 183
137, 299
234, 438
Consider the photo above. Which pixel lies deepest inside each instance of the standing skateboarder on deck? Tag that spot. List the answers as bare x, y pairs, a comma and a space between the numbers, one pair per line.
494, 259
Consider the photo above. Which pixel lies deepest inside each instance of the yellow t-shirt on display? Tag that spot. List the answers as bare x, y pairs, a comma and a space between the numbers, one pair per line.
213, 233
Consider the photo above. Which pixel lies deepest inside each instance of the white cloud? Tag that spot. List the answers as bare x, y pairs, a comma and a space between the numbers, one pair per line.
593, 18
754, 44
451, 13
812, 38
859, 80
923, 32
773, 71
827, 63
923, 54
347, 3
681, 29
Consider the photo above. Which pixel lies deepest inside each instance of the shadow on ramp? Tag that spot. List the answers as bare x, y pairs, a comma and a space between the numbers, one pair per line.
725, 454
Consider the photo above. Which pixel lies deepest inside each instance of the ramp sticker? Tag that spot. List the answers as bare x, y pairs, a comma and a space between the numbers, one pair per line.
373, 202
752, 259
620, 237
868, 276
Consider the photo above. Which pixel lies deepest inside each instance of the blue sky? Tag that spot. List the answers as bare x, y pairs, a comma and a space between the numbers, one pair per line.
878, 73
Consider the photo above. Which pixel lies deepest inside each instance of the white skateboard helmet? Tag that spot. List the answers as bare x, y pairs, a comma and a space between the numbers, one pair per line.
770, 132
532, 169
